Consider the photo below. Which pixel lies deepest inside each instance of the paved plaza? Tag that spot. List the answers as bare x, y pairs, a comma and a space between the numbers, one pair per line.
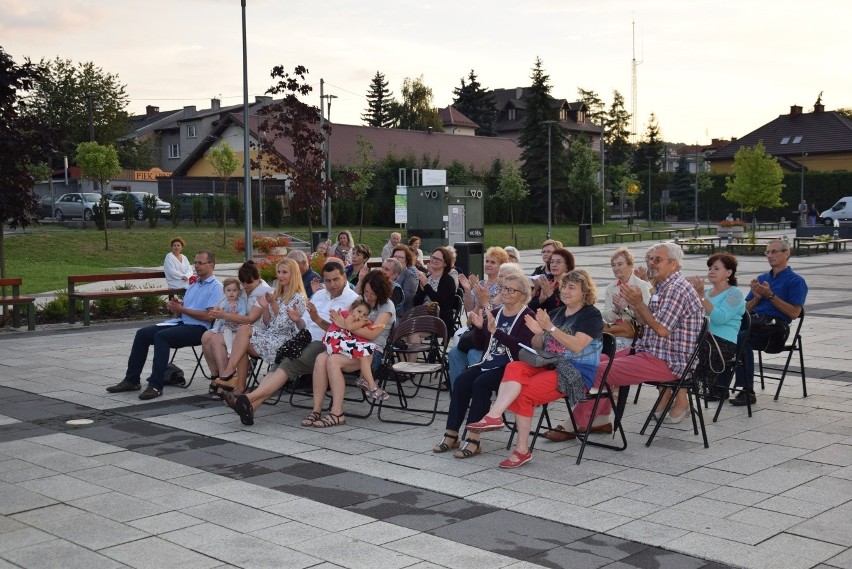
180, 482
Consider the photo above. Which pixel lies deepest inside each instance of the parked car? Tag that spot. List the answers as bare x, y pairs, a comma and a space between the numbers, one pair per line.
163, 208
841, 211
80, 205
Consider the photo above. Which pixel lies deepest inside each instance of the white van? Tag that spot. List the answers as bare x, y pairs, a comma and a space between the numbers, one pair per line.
841, 211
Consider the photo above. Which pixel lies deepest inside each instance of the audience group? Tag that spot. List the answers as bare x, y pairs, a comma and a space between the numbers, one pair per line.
326, 324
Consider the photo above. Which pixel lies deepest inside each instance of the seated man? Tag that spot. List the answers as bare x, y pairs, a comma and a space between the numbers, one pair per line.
672, 320
393, 270
778, 294
192, 321
387, 250
308, 274
336, 295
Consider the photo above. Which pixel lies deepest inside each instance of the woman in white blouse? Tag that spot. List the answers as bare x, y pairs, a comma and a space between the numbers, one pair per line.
176, 266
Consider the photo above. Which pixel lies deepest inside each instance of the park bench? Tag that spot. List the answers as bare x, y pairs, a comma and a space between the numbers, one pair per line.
634, 236
658, 233
88, 297
753, 248
817, 246
605, 236
16, 301
695, 246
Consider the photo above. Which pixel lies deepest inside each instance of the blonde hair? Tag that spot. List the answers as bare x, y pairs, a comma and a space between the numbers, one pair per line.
622, 252
499, 254
295, 286
231, 281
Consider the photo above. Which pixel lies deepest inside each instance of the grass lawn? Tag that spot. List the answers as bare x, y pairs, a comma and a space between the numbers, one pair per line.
44, 256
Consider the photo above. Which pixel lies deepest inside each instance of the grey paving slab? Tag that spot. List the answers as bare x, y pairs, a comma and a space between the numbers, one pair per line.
59, 554
155, 553
118, 507
830, 526
91, 531
15, 499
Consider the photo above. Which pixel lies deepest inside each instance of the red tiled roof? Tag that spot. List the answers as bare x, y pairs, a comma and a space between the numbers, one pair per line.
451, 116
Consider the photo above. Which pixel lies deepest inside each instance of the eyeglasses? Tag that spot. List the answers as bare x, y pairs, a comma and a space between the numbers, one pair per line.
546, 251
656, 260
437, 259
774, 251
201, 262
509, 290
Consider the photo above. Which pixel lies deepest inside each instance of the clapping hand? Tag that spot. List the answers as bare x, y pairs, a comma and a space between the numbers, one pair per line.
294, 314
619, 302
464, 282
546, 287
492, 322
475, 318
631, 294
697, 283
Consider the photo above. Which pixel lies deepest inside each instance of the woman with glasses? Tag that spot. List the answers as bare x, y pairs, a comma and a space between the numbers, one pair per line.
617, 315
497, 332
409, 278
438, 285
547, 249
544, 294
213, 345
360, 256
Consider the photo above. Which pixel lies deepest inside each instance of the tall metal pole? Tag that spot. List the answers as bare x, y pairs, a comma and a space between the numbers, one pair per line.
603, 178
90, 112
802, 183
549, 180
325, 142
328, 165
246, 152
696, 232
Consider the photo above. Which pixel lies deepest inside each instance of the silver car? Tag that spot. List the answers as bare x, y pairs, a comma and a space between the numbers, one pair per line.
163, 208
80, 205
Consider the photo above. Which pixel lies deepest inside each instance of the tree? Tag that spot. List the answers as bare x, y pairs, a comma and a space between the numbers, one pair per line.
224, 162
617, 123
649, 151
845, 111
477, 104
513, 189
99, 163
416, 110
135, 153
24, 142
596, 108
379, 101
364, 171
297, 123
583, 168
67, 93
535, 137
757, 180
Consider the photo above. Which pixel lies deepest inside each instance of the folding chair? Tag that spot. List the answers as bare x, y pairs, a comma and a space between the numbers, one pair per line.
732, 364
401, 372
794, 346
685, 381
198, 361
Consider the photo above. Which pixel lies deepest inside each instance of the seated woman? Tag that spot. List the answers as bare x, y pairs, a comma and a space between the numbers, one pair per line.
616, 313
176, 266
547, 249
343, 248
545, 295
575, 332
497, 334
329, 368
409, 278
213, 345
439, 286
414, 245
281, 313
360, 256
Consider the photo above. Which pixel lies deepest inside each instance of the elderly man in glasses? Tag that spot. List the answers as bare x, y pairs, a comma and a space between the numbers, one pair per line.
778, 294
191, 320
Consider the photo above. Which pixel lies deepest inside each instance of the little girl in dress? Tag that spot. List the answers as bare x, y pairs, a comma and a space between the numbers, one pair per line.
233, 303
347, 343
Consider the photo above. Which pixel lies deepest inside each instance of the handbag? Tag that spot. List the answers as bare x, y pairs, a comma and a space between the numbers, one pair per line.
768, 334
465, 341
537, 358
293, 348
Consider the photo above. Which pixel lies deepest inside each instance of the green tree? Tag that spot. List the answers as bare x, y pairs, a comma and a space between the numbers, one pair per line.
540, 140
135, 154
99, 163
379, 101
364, 170
596, 108
25, 142
649, 150
757, 180
583, 169
66, 95
416, 110
513, 189
617, 123
224, 162
477, 104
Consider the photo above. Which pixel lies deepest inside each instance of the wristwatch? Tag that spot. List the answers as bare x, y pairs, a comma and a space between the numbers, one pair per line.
771, 296
552, 329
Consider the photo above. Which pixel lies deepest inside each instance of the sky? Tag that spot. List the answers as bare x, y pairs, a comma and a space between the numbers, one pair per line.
707, 69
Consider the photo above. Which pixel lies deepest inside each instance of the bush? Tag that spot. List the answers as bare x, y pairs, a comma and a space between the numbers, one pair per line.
219, 210
150, 205
129, 211
236, 209
197, 206
275, 212
97, 212
149, 305
176, 205
56, 310
114, 307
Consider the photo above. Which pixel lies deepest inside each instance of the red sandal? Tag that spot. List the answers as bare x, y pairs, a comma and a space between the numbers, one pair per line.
516, 459
486, 424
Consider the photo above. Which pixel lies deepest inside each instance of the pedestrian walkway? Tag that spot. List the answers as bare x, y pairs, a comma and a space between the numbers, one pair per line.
179, 481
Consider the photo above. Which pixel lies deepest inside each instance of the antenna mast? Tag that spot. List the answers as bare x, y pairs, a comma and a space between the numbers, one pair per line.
633, 86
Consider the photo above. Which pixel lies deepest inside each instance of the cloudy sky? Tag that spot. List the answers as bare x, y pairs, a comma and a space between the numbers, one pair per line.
708, 68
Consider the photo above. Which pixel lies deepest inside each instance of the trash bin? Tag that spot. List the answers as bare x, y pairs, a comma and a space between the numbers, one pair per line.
316, 238
470, 256
585, 235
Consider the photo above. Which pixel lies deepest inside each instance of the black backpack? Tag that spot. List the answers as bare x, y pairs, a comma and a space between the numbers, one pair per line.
173, 375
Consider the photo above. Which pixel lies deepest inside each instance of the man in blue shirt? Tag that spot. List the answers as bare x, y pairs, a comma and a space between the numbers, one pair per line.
308, 274
780, 294
192, 320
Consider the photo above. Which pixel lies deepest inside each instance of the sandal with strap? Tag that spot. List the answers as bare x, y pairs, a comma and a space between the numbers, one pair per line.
443, 446
311, 419
465, 452
516, 459
330, 420
214, 388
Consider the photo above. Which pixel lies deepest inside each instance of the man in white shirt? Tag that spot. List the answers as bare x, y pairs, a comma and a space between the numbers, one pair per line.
387, 250
337, 295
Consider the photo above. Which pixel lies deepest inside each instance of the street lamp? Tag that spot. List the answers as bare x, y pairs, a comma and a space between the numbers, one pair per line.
246, 150
328, 162
549, 184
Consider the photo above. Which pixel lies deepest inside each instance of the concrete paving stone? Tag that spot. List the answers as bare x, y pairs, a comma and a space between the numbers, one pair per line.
290, 532
300, 468
766, 518
154, 553
577, 516
566, 557
842, 560
662, 559
148, 466
118, 507
8, 524
606, 546
647, 532
826, 490
737, 495
783, 477
92, 531
450, 554
61, 461
500, 498
99, 473
792, 506
714, 508
830, 526
164, 523
183, 498
346, 489
812, 440
23, 537
404, 516
796, 550
62, 487
712, 476
233, 516
718, 550
759, 459
836, 454
712, 525
14, 499
246, 494
139, 485
377, 533
59, 554
24, 474
319, 515
844, 473
197, 481
241, 471
352, 553
627, 507
275, 480
10, 464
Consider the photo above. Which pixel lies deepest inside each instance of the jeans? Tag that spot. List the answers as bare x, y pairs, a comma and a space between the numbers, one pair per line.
472, 395
164, 339
745, 374
460, 360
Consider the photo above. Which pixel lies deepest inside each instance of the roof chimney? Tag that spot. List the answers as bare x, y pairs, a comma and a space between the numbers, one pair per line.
215, 104
188, 110
519, 92
795, 110
819, 108
151, 110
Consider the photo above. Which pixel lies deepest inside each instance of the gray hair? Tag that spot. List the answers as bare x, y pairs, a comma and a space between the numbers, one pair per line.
507, 269
396, 266
523, 284
674, 251
298, 255
783, 245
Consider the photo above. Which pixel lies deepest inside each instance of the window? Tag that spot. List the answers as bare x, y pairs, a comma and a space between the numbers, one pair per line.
797, 139
785, 140
174, 150
581, 117
190, 131
563, 114
512, 115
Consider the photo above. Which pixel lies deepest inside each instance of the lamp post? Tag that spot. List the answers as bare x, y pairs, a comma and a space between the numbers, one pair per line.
549, 178
246, 155
802, 190
328, 163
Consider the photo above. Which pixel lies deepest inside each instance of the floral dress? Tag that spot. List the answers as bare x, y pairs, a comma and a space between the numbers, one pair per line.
267, 339
339, 341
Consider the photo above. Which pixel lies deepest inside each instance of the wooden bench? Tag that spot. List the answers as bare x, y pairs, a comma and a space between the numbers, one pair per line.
605, 236
658, 233
767, 225
634, 236
88, 297
700, 245
755, 248
836, 243
814, 245
16, 300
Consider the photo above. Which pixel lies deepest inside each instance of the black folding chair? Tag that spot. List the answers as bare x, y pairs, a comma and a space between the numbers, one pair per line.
731, 365
198, 366
794, 346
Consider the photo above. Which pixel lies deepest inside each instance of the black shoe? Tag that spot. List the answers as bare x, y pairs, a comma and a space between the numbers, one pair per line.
717, 394
150, 393
123, 386
744, 398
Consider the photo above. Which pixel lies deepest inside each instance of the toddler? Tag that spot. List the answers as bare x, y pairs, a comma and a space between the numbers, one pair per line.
233, 303
347, 343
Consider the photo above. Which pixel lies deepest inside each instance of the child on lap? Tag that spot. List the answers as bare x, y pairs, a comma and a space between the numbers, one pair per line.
346, 342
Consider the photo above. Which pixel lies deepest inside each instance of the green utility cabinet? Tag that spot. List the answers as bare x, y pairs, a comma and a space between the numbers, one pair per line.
446, 215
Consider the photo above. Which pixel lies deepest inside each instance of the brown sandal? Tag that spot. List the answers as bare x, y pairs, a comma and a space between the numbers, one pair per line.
465, 452
443, 446
311, 419
330, 420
